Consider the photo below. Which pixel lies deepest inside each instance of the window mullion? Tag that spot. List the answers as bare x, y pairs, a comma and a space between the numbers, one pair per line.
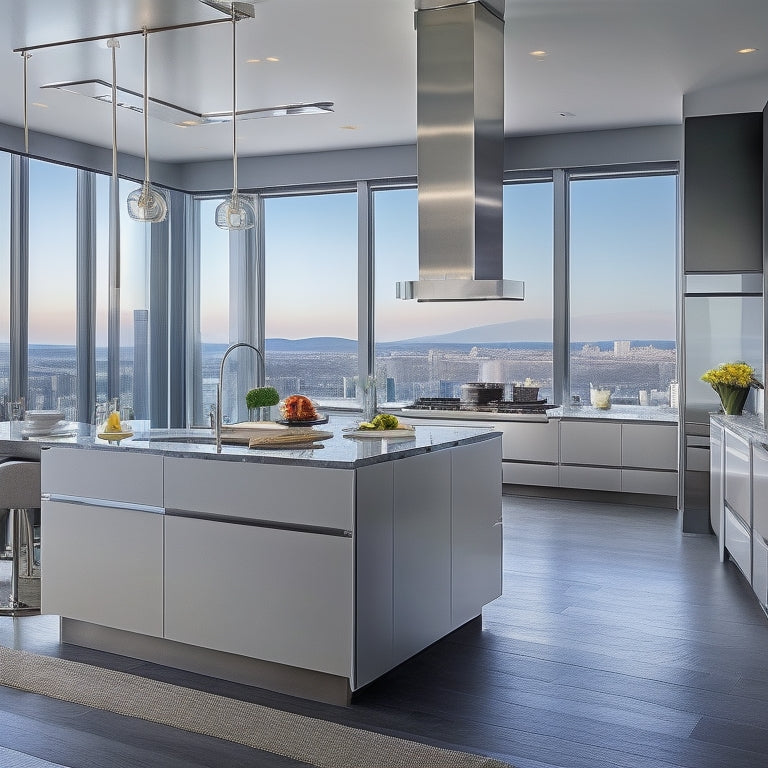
19, 315
85, 349
365, 281
560, 305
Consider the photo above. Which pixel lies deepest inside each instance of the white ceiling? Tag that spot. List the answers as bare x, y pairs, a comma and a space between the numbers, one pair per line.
611, 63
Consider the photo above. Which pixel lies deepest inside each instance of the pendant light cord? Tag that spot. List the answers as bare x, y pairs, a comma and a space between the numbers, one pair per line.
26, 56
146, 109
114, 45
234, 101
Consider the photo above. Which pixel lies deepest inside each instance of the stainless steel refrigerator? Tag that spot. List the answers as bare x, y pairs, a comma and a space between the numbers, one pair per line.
722, 322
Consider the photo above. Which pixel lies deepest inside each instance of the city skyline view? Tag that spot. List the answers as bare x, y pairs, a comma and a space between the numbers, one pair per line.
325, 368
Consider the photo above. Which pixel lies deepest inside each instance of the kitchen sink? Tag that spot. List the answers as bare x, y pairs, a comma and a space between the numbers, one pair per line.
194, 439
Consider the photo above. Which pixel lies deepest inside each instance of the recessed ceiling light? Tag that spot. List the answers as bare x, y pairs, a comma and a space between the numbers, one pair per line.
253, 61
567, 114
39, 104
349, 127
272, 59
538, 54
748, 50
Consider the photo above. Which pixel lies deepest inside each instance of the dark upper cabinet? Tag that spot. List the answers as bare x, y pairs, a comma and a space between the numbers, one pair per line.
723, 193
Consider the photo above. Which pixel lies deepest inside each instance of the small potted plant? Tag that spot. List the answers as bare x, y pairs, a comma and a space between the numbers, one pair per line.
258, 399
732, 382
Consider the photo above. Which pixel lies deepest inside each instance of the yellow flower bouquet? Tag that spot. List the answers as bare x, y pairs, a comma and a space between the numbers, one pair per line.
732, 382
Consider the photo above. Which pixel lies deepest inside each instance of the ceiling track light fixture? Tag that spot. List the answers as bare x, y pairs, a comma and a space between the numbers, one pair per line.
236, 212
146, 203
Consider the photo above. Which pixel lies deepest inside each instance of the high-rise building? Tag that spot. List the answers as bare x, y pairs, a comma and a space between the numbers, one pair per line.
141, 364
621, 348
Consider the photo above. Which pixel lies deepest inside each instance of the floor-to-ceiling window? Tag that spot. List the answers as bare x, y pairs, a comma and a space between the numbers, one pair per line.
214, 323
311, 307
431, 349
52, 378
134, 310
622, 251
5, 282
102, 285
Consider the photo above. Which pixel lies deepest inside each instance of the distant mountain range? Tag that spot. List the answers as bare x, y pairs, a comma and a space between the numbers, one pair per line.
313, 344
587, 328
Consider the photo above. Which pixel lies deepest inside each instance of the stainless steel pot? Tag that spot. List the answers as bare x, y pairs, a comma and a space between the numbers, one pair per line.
481, 393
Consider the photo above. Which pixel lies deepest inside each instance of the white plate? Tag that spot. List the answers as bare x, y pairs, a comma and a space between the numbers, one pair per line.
43, 415
114, 435
403, 434
32, 429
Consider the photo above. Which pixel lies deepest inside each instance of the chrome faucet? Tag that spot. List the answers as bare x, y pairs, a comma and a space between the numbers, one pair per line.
260, 378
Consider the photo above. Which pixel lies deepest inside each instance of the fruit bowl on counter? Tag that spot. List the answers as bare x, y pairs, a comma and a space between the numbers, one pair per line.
113, 430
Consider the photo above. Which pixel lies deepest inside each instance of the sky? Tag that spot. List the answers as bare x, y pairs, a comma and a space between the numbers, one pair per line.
622, 261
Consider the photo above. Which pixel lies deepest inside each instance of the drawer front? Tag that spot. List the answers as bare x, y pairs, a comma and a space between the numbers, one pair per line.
760, 490
760, 570
716, 479
649, 481
651, 446
592, 478
530, 441
590, 443
738, 543
530, 474
737, 477
280, 493
112, 475
291, 603
103, 565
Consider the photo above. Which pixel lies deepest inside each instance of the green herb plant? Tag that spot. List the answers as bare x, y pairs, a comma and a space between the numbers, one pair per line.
261, 397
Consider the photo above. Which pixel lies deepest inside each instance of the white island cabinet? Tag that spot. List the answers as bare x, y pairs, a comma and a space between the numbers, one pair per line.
103, 546
309, 576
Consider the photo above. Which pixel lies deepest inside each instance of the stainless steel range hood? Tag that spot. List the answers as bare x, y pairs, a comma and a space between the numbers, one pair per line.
460, 143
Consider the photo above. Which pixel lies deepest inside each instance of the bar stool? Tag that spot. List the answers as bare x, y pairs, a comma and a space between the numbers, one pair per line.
20, 495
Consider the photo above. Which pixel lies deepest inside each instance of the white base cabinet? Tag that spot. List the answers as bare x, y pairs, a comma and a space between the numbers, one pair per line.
740, 500
103, 540
103, 565
588, 454
623, 457
279, 595
341, 572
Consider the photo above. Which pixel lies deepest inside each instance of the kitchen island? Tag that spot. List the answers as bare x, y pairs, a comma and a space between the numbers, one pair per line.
311, 572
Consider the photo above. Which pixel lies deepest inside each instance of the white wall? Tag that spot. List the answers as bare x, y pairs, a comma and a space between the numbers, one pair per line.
661, 143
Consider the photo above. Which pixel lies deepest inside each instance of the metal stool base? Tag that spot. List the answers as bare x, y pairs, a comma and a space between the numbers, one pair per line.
18, 609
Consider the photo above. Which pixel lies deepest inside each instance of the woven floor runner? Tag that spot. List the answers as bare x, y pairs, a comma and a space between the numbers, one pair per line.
310, 740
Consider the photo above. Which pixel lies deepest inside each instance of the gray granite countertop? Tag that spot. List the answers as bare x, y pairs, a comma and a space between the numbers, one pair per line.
338, 451
615, 413
748, 426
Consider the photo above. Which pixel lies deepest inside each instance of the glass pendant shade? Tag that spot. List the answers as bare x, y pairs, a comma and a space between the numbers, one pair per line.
236, 212
147, 204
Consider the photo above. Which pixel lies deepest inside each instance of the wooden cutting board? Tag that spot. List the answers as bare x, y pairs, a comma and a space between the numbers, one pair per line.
293, 437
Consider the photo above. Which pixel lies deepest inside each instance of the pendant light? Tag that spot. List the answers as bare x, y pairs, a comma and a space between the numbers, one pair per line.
113, 312
236, 212
147, 203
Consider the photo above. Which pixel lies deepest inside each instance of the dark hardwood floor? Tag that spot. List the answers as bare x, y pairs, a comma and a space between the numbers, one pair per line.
618, 642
